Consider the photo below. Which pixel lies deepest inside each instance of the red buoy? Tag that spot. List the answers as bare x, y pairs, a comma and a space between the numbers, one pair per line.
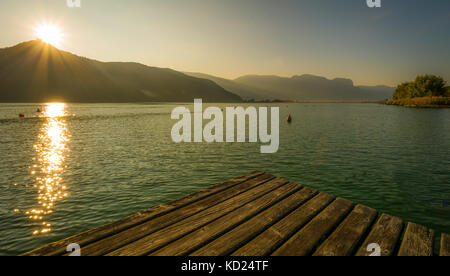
289, 119
21, 115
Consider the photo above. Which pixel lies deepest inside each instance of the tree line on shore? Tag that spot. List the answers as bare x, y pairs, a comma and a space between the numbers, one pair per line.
425, 90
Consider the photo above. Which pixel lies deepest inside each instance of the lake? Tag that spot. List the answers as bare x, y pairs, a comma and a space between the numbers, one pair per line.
74, 167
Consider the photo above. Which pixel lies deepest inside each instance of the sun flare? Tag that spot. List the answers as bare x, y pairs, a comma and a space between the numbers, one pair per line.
49, 34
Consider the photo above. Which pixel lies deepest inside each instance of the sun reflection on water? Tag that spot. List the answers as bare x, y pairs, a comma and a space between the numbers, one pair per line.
51, 149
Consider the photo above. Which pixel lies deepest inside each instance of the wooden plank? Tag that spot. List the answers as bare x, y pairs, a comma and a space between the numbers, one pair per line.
59, 247
445, 245
200, 237
386, 233
238, 236
265, 243
131, 234
175, 231
418, 241
308, 238
343, 241
253, 215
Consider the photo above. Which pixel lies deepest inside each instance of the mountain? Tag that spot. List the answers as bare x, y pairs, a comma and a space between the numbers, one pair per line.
300, 88
243, 90
316, 88
35, 71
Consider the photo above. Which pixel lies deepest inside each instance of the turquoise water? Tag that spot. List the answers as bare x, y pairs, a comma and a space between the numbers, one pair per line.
78, 166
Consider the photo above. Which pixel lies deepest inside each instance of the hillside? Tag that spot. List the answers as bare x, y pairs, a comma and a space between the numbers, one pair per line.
300, 88
315, 88
243, 90
38, 72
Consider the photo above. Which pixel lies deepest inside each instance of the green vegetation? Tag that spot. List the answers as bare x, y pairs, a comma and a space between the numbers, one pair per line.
423, 86
422, 102
425, 91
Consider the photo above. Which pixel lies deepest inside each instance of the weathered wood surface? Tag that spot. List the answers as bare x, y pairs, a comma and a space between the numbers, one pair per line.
418, 241
207, 233
59, 247
168, 234
344, 239
386, 233
305, 240
198, 208
277, 234
445, 245
244, 232
255, 215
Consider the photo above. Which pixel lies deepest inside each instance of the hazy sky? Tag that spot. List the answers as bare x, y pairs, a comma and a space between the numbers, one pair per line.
230, 38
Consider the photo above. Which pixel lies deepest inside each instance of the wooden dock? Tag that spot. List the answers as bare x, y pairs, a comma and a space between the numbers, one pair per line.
255, 215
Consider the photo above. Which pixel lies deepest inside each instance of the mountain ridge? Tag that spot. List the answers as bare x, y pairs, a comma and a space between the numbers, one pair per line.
304, 87
35, 71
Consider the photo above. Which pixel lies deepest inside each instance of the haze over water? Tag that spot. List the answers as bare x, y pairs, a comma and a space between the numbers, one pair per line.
74, 167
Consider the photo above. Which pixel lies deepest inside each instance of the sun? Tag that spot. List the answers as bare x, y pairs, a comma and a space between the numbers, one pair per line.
49, 33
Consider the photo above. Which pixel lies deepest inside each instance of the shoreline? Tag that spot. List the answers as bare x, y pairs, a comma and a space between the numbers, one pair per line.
423, 102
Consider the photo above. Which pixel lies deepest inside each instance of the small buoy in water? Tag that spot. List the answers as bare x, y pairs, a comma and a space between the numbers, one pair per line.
38, 110
289, 119
21, 115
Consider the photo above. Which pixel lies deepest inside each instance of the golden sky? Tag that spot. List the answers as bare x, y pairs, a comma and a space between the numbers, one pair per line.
232, 38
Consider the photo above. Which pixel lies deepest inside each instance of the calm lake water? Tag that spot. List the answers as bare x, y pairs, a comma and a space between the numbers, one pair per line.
78, 166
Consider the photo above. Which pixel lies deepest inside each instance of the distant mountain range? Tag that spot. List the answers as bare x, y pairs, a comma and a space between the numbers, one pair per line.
300, 88
35, 71
38, 72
